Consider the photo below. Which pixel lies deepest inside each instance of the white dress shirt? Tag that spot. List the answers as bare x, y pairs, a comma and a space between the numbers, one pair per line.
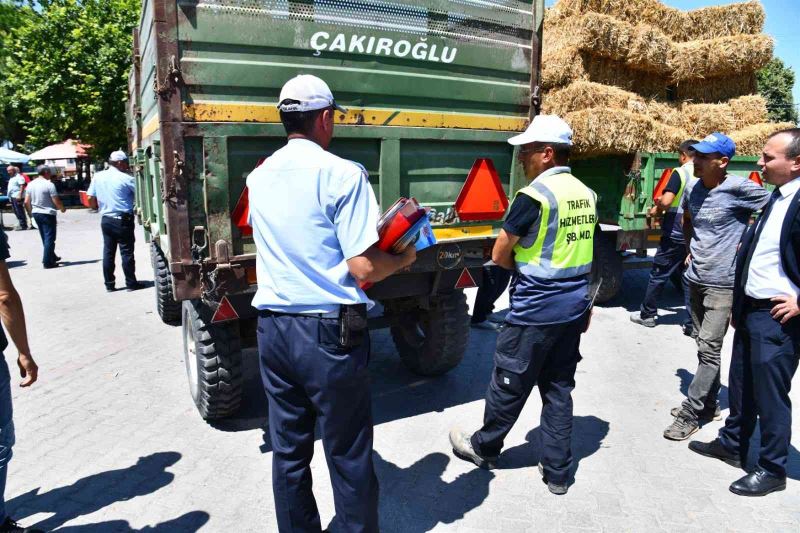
767, 278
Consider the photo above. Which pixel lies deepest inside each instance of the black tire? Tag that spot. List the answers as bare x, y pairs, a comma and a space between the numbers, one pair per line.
432, 341
607, 264
213, 357
168, 309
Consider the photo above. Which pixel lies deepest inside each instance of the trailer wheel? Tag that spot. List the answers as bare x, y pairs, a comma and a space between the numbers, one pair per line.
213, 357
432, 341
607, 264
168, 309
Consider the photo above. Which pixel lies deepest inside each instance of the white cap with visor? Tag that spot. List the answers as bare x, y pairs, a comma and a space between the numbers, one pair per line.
544, 129
306, 93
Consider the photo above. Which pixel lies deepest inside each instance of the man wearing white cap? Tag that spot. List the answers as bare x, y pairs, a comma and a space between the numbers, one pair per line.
547, 240
115, 192
314, 219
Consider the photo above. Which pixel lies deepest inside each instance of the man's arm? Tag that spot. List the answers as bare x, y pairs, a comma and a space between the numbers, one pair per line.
28, 202
58, 204
503, 251
92, 201
375, 265
13, 318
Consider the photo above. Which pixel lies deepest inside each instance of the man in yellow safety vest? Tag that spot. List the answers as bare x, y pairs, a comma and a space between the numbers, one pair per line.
547, 241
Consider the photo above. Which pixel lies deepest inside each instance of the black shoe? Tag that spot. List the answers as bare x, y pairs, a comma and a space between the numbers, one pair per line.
10, 526
58, 258
131, 288
716, 450
758, 483
688, 330
555, 488
110, 289
54, 265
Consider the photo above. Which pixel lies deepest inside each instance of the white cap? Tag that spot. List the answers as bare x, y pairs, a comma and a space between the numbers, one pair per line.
545, 129
310, 91
119, 155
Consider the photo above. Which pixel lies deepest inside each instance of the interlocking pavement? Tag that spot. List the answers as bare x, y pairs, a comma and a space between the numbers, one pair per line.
108, 440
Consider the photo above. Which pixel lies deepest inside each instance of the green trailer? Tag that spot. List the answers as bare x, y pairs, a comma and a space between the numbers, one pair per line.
431, 86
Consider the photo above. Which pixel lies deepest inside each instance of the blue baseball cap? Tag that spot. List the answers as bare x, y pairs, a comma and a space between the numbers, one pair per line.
716, 143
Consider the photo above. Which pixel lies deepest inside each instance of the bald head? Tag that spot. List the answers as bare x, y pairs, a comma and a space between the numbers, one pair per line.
780, 158
12, 171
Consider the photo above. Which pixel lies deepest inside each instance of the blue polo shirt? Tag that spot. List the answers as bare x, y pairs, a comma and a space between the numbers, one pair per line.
115, 191
310, 211
540, 301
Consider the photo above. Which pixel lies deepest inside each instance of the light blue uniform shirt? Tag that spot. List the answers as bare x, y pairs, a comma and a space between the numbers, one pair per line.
115, 191
310, 211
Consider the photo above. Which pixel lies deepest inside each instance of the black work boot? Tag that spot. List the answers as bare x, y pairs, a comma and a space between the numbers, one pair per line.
716, 450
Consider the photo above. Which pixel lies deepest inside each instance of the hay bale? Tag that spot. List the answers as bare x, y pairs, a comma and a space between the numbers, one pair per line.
714, 90
698, 120
641, 47
604, 131
705, 23
714, 58
751, 140
748, 110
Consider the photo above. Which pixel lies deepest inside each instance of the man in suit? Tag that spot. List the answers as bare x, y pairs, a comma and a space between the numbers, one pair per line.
765, 351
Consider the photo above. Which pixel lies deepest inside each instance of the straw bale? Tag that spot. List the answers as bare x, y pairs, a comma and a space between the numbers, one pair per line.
748, 110
642, 47
719, 57
751, 140
606, 131
715, 90
698, 120
704, 23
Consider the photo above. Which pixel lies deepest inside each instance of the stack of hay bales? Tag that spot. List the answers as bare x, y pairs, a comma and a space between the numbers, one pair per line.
634, 75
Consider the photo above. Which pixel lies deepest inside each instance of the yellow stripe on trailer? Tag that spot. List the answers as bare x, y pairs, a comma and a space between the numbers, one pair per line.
150, 127
268, 113
464, 232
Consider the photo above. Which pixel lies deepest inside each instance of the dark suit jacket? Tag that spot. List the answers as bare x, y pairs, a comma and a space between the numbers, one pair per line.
790, 255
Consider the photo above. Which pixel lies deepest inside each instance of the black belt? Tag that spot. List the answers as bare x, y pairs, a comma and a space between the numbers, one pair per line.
759, 303
267, 312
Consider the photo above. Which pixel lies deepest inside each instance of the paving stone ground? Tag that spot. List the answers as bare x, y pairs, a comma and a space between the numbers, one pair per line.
109, 441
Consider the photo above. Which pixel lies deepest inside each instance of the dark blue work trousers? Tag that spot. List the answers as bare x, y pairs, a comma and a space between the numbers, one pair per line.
118, 232
525, 356
763, 362
311, 381
668, 264
47, 231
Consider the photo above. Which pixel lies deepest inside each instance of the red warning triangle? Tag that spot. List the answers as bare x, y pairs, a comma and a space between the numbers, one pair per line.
465, 280
482, 196
756, 178
662, 184
225, 311
241, 213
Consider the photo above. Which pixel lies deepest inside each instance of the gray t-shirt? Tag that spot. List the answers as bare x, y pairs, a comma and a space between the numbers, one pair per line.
41, 192
719, 217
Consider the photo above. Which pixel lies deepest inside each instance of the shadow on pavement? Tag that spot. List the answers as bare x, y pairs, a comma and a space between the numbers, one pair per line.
416, 499
75, 263
13, 264
588, 433
188, 523
97, 491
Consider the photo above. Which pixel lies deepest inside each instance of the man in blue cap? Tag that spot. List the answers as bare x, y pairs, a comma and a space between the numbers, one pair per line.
716, 210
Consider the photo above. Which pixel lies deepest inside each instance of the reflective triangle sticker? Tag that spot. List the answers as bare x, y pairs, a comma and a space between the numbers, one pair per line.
465, 280
224, 312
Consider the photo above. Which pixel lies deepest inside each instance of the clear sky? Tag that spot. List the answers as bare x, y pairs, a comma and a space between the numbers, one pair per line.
782, 24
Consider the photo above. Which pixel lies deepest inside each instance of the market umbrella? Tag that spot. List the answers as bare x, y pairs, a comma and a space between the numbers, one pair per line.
10, 156
69, 149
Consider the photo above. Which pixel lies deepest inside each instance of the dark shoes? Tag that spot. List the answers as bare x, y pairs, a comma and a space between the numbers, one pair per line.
10, 526
110, 288
462, 448
637, 318
131, 288
716, 450
758, 483
555, 488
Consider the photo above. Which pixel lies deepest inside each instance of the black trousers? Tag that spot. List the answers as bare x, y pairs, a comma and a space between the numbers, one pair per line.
546, 356
763, 362
310, 380
494, 283
118, 232
19, 211
668, 264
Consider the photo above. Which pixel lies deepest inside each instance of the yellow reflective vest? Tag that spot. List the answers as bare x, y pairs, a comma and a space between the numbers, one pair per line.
562, 245
685, 172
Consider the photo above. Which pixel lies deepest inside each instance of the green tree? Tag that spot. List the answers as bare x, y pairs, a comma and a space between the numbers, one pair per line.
13, 14
776, 83
70, 61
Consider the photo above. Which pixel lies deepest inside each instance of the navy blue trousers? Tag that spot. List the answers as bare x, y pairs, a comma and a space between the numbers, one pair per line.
525, 356
311, 381
118, 232
47, 231
667, 265
763, 362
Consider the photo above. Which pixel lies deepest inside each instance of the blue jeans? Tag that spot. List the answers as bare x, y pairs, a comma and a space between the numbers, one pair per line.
118, 232
667, 265
6, 432
47, 231
19, 212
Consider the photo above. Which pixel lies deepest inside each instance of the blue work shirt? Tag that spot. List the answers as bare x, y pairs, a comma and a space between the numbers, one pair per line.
310, 211
115, 191
540, 301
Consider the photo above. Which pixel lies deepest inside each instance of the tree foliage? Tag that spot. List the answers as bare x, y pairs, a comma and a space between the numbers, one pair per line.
67, 72
776, 83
